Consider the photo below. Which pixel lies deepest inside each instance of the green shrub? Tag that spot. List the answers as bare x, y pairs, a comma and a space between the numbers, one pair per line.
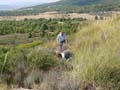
3, 51
29, 45
42, 59
30, 57
13, 58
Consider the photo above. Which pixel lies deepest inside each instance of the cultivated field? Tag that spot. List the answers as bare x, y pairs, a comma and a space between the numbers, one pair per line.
56, 15
48, 15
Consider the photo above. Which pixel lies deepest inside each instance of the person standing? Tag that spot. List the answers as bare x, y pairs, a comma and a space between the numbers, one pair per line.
61, 39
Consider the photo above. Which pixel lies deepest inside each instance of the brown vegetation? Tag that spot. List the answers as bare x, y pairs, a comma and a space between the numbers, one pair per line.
48, 15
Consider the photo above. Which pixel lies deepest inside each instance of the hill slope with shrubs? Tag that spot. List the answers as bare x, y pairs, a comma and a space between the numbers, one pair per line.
95, 65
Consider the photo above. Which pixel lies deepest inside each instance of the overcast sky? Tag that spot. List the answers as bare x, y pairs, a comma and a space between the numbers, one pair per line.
24, 2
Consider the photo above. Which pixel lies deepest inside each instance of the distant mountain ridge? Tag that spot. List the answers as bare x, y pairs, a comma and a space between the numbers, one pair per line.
69, 6
63, 4
82, 5
86, 2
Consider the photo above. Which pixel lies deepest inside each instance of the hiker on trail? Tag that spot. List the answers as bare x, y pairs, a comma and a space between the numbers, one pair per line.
61, 39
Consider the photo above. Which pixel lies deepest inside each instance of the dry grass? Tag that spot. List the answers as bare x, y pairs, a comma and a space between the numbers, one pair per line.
97, 59
48, 15
15, 39
54, 14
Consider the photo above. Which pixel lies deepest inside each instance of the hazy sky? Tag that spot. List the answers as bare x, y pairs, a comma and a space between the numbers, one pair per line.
18, 2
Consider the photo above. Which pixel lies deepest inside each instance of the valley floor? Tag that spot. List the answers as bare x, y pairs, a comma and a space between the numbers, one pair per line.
55, 15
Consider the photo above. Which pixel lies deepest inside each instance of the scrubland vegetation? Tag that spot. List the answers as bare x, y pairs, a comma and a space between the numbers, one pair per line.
95, 65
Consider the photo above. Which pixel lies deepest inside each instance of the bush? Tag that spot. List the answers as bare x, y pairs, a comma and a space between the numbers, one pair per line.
3, 51
14, 57
29, 45
19, 63
42, 59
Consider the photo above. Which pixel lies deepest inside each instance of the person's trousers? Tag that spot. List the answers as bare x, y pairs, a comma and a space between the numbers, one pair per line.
61, 44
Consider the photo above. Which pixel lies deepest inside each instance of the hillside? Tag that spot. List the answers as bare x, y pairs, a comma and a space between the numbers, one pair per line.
95, 65
68, 6
86, 2
83, 5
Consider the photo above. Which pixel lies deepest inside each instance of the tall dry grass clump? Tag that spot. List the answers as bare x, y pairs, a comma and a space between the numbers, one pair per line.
97, 55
